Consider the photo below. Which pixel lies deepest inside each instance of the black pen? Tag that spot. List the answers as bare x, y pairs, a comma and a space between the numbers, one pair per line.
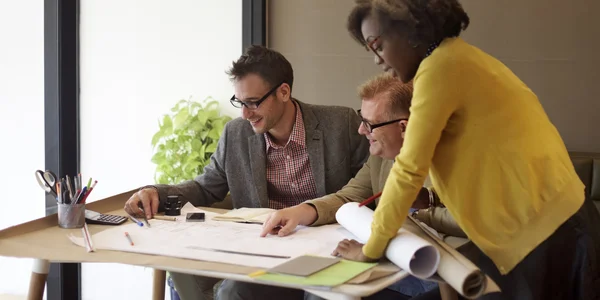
65, 192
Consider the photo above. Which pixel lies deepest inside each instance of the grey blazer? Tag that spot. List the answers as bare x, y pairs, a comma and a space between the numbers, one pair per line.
336, 152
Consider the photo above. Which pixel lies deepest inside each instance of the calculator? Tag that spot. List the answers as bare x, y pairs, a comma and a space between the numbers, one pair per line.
92, 217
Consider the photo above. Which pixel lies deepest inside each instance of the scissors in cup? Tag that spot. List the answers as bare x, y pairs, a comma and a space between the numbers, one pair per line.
47, 181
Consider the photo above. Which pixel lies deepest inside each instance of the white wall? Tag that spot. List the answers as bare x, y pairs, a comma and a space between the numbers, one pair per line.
137, 59
553, 50
21, 126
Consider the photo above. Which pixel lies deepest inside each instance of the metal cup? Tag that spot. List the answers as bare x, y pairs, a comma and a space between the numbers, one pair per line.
71, 215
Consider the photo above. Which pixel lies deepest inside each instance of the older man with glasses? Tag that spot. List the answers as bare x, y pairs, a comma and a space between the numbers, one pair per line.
384, 114
280, 153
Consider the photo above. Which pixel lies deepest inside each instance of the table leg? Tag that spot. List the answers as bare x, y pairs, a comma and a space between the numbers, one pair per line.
37, 283
158, 284
447, 292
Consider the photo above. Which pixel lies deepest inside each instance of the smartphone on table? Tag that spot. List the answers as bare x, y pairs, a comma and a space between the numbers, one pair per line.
195, 217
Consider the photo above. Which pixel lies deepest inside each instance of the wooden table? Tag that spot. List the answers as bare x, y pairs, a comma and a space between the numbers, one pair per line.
44, 241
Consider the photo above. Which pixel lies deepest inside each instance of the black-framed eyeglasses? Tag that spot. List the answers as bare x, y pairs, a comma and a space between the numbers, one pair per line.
253, 104
370, 127
369, 46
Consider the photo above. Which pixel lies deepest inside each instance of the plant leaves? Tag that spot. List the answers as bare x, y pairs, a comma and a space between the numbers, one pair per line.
214, 134
211, 148
195, 105
167, 127
186, 139
156, 137
212, 105
158, 158
170, 144
180, 118
196, 125
202, 150
202, 117
196, 145
204, 134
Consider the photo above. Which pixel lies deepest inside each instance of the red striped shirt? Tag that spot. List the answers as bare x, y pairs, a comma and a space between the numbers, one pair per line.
290, 180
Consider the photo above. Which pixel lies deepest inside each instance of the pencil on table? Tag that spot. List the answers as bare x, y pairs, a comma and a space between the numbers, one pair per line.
87, 237
370, 199
128, 238
257, 273
165, 218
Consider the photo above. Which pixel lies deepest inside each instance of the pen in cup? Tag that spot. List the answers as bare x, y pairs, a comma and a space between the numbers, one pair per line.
128, 238
58, 194
70, 187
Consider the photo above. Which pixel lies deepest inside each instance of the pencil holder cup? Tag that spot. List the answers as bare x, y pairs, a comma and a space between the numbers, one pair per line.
71, 215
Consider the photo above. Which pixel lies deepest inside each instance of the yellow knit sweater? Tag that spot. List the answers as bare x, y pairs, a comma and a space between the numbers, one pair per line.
494, 157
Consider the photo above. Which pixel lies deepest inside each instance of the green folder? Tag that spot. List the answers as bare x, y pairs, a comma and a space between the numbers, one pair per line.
332, 276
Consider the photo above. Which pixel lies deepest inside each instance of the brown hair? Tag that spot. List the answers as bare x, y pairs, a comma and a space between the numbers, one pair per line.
269, 64
400, 94
426, 21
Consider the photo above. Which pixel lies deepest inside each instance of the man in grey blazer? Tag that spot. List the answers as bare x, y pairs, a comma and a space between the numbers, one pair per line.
280, 153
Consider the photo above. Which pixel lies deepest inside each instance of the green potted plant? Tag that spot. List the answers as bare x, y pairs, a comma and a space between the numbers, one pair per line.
186, 139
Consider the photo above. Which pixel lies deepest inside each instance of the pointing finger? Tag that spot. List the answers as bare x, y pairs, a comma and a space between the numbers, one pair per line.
269, 225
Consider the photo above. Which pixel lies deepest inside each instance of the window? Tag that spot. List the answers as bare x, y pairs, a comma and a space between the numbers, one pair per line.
137, 59
22, 123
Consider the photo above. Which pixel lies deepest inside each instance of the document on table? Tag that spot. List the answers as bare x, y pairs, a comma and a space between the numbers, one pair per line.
226, 242
245, 214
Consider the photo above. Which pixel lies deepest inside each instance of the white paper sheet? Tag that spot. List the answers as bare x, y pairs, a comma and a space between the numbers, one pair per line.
246, 214
406, 250
189, 239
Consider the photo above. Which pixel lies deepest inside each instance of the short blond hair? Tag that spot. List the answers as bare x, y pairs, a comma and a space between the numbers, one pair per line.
400, 94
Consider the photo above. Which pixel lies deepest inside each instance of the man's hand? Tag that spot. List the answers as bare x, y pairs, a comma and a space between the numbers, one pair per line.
422, 200
148, 198
283, 222
351, 250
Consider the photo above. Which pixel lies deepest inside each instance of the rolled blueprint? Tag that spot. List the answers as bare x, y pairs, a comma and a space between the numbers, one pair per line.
455, 269
408, 251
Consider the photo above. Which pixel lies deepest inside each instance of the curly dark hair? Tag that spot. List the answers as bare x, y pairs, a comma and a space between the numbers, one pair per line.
269, 64
426, 21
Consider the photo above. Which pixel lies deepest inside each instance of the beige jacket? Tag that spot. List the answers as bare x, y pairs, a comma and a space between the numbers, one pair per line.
370, 180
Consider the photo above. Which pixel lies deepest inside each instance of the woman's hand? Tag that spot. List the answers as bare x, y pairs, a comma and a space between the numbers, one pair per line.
351, 250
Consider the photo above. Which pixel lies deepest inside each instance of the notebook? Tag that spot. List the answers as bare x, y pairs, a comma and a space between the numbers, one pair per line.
246, 215
336, 274
304, 266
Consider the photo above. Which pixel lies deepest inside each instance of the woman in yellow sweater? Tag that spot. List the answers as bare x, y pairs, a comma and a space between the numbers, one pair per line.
495, 159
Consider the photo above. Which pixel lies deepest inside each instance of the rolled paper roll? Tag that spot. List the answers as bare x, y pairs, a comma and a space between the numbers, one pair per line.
408, 251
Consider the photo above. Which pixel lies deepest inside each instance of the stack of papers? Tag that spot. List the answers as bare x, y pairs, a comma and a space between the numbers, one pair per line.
246, 215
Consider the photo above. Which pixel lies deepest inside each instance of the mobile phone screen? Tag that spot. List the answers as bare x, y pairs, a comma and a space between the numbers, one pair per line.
195, 217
